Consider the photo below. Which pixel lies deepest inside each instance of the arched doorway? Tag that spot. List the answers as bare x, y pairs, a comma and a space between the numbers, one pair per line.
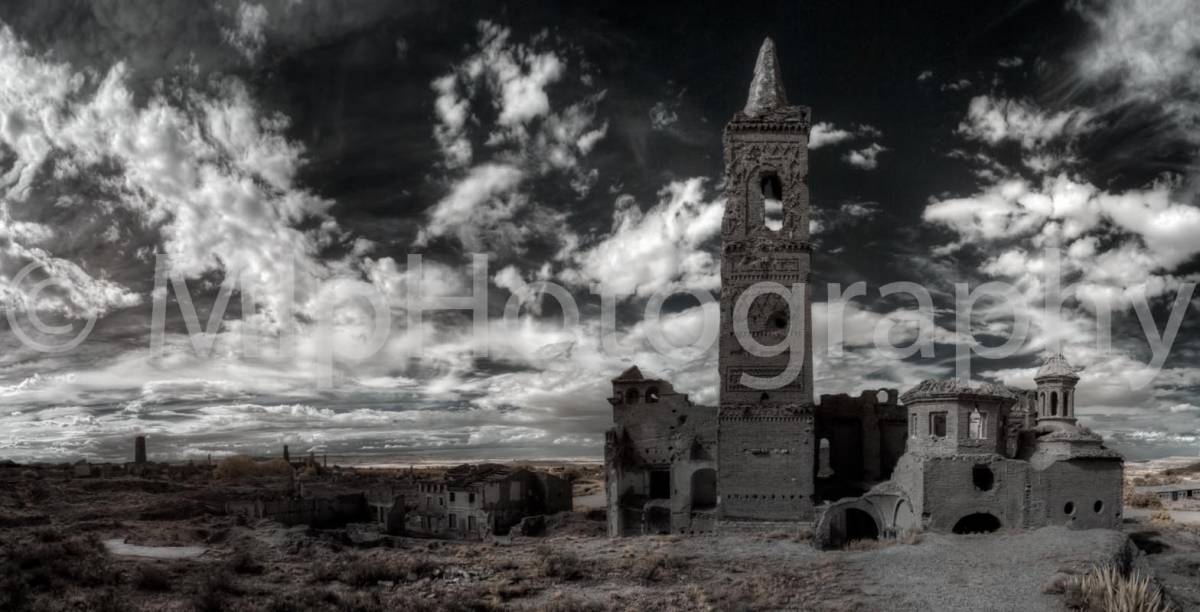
979, 522
860, 526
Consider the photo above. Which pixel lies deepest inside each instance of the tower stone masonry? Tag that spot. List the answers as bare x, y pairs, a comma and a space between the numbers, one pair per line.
947, 455
766, 428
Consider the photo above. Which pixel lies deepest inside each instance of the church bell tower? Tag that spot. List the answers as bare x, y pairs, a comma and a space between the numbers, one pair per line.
765, 427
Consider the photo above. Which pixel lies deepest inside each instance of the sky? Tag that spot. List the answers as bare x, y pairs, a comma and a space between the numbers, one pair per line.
306, 149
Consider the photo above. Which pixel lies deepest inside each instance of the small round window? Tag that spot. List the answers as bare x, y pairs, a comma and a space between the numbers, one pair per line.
1069, 508
1098, 506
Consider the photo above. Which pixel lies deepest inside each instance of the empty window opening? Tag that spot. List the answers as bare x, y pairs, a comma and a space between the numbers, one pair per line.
631, 396
1053, 403
764, 397
772, 194
983, 477
660, 484
824, 469
704, 489
882, 396
652, 395
1098, 506
1069, 508
977, 425
980, 522
937, 424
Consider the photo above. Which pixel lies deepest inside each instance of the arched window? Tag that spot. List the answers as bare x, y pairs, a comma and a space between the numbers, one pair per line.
977, 425
1054, 403
631, 396
652, 395
772, 195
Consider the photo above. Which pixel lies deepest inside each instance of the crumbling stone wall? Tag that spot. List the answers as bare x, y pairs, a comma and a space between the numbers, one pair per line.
655, 453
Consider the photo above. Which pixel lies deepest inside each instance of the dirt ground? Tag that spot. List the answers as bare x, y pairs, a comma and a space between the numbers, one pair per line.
54, 531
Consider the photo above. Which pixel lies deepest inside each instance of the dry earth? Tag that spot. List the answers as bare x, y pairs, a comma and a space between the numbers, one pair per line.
52, 532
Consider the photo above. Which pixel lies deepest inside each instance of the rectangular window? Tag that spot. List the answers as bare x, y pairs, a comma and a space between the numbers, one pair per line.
453, 521
470, 498
937, 424
452, 497
660, 484
470, 523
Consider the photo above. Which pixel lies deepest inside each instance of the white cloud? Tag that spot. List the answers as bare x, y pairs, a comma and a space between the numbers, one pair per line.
249, 36
486, 208
958, 85
213, 175
661, 248
825, 133
662, 116
1010, 62
993, 120
865, 158
925, 75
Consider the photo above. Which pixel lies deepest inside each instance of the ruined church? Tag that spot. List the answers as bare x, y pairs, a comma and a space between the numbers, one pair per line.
944, 456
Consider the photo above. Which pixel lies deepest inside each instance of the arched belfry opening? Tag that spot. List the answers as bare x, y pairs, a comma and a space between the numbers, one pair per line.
772, 198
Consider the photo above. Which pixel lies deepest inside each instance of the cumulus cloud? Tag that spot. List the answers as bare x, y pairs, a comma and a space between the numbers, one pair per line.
826, 134
249, 35
1140, 59
529, 140
211, 172
661, 248
994, 120
866, 158
662, 116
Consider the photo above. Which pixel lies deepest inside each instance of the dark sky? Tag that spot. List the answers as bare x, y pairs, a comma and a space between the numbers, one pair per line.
577, 143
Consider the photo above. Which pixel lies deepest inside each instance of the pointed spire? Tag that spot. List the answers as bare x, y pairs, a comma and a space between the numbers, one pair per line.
766, 90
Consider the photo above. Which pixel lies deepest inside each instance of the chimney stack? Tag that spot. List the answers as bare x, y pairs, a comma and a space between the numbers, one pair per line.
286, 456
139, 449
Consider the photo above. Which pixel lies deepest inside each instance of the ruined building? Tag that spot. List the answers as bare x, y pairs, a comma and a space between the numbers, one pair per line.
951, 457
475, 501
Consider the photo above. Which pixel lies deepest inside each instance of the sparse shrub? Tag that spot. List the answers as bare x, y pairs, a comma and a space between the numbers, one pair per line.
107, 600
324, 571
1143, 500
48, 535
365, 572
46, 566
214, 592
1162, 516
658, 567
1105, 589
559, 564
869, 544
244, 563
307, 600
152, 577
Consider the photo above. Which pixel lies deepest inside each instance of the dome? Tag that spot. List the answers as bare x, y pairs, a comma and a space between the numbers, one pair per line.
1056, 365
